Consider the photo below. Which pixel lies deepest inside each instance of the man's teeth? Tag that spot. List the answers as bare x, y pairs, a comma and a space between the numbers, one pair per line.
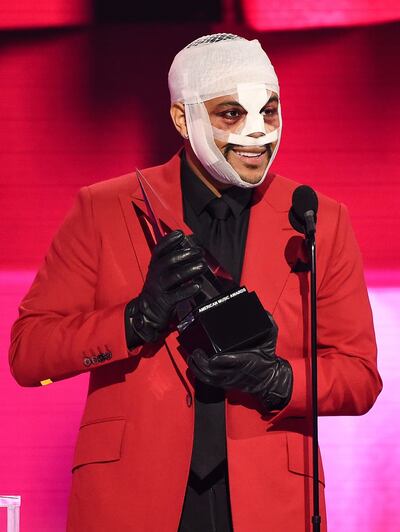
247, 154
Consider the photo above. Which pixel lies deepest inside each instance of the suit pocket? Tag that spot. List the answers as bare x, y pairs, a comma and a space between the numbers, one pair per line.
99, 441
300, 456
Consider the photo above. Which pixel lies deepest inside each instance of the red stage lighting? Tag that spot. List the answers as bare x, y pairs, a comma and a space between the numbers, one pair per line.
44, 13
291, 14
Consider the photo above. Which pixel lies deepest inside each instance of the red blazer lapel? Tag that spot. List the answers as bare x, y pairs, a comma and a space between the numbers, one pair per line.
165, 181
270, 247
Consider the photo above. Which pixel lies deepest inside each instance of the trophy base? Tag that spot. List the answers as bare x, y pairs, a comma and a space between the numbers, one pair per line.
228, 322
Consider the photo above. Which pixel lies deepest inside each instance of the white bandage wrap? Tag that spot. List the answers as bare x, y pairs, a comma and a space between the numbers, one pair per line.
236, 67
252, 97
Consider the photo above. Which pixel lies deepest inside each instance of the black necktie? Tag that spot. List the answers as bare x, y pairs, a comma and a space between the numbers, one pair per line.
218, 209
221, 233
209, 447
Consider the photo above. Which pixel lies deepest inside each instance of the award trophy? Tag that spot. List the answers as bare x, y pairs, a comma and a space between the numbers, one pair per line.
223, 316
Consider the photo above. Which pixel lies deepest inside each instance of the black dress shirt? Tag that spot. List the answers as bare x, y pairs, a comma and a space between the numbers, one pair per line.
196, 197
223, 234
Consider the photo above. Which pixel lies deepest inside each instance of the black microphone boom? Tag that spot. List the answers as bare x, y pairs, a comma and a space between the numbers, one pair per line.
303, 218
303, 213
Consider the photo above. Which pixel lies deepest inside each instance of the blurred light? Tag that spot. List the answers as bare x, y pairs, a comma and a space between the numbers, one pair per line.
292, 14
44, 13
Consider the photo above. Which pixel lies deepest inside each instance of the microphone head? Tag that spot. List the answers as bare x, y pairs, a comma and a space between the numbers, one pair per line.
304, 199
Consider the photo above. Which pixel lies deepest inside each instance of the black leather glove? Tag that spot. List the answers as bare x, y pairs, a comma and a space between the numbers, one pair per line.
258, 371
172, 276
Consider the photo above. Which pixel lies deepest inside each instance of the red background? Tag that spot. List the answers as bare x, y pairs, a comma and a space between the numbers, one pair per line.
83, 104
290, 14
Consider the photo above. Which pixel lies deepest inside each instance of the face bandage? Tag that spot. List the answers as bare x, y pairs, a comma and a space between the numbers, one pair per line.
220, 65
253, 99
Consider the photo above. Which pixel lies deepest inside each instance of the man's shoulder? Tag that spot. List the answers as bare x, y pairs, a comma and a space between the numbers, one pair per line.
279, 190
126, 183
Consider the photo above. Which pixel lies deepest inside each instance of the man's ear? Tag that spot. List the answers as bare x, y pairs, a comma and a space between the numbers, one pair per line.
178, 118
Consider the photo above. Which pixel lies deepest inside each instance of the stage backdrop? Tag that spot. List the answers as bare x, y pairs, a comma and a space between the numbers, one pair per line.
77, 106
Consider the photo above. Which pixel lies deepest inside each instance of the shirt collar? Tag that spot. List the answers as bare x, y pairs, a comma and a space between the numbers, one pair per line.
199, 195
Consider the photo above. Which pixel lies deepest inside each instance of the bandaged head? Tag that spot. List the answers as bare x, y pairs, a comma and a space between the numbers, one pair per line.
219, 65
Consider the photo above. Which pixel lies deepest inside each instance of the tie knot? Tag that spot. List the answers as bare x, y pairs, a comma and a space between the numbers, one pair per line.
218, 209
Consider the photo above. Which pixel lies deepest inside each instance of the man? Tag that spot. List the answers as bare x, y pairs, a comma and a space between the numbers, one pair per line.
172, 440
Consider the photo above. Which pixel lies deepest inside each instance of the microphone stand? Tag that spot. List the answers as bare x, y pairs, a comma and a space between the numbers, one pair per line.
310, 229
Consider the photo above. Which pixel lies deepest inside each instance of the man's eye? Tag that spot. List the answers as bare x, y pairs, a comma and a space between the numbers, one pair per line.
269, 111
232, 114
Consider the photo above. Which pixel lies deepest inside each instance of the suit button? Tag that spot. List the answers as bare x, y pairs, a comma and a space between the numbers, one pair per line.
189, 400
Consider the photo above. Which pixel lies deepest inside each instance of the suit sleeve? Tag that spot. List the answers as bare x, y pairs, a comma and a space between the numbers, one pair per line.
59, 332
348, 379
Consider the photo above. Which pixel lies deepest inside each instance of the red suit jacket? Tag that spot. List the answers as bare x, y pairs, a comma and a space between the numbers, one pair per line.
134, 446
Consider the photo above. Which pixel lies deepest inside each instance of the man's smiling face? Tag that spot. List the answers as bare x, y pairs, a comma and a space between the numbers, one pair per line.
227, 114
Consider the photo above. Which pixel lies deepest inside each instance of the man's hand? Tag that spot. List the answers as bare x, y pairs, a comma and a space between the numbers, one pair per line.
173, 276
258, 371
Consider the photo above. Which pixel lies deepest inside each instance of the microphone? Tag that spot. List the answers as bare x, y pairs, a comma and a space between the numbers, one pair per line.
303, 218
303, 212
